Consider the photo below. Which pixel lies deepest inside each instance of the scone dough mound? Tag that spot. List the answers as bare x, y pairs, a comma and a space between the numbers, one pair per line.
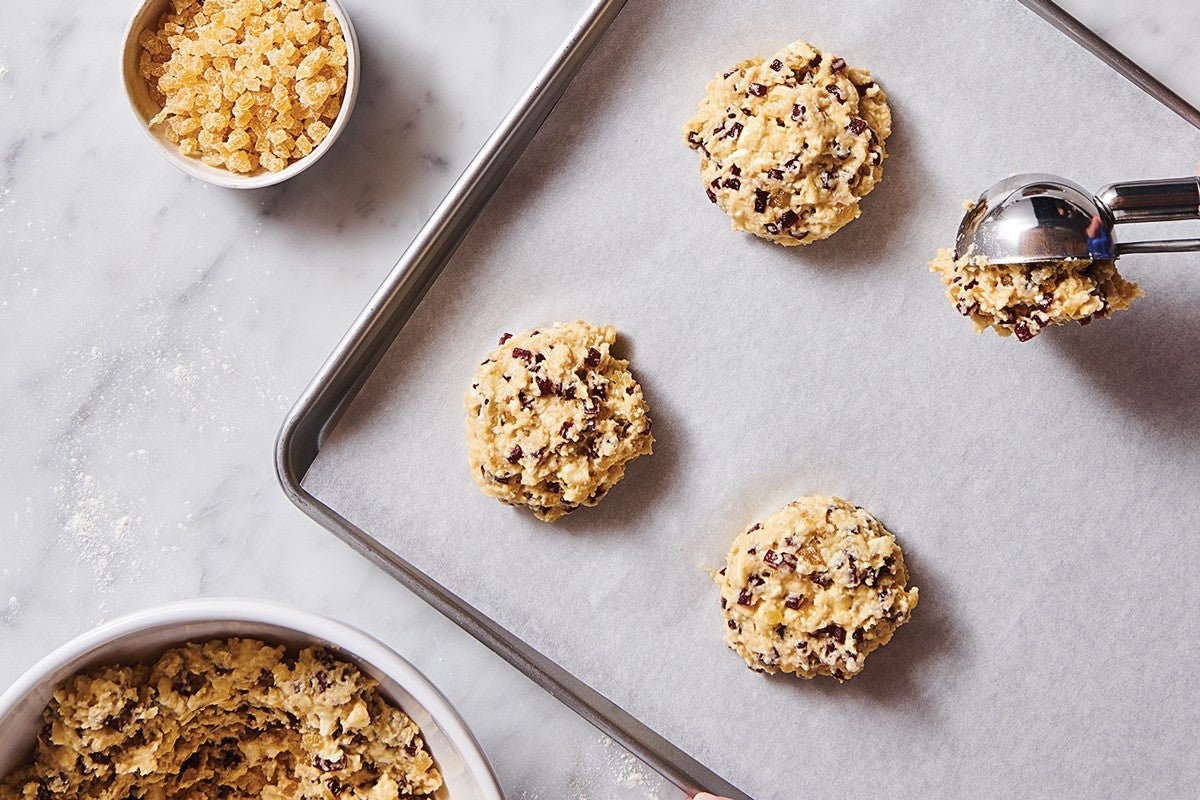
791, 143
229, 719
813, 589
1024, 299
553, 418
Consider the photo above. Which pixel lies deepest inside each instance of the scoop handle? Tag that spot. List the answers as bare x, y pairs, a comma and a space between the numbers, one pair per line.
1165, 246
1152, 201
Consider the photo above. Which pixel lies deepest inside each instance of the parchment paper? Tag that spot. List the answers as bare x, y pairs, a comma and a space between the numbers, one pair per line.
1044, 493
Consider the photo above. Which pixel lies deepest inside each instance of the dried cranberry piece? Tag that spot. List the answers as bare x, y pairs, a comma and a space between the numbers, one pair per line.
757, 89
772, 558
836, 632
546, 386
515, 454
777, 65
852, 567
566, 426
328, 765
735, 130
821, 579
1023, 331
711, 195
798, 112
1045, 300
775, 174
505, 338
793, 601
789, 219
761, 196
733, 183
836, 91
189, 685
745, 598
732, 625
693, 139
592, 359
857, 126
838, 64
523, 354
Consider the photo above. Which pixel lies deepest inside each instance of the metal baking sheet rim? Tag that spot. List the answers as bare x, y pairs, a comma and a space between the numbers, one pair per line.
318, 409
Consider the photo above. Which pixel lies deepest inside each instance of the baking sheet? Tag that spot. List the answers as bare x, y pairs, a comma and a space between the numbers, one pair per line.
1042, 491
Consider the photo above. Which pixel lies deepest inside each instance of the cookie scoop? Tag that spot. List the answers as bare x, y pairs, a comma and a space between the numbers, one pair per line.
1036, 218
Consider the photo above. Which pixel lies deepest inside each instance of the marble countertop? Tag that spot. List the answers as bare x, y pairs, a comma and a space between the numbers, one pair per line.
154, 330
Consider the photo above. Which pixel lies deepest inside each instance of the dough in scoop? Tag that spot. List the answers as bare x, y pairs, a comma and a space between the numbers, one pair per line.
1024, 299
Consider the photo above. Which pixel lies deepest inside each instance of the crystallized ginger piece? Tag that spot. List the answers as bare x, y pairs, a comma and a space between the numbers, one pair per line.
278, 137
313, 63
317, 131
239, 161
314, 92
238, 140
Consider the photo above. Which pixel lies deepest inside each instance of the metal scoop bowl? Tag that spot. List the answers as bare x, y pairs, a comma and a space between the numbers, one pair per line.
1036, 217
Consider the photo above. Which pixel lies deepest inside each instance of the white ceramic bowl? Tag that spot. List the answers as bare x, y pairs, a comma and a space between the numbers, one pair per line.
144, 107
146, 634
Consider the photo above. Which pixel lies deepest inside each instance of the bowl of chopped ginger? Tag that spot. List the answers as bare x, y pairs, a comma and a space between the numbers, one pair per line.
241, 93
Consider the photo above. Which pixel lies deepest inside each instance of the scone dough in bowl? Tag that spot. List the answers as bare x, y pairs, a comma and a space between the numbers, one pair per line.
233, 718
1024, 299
813, 589
553, 418
789, 144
